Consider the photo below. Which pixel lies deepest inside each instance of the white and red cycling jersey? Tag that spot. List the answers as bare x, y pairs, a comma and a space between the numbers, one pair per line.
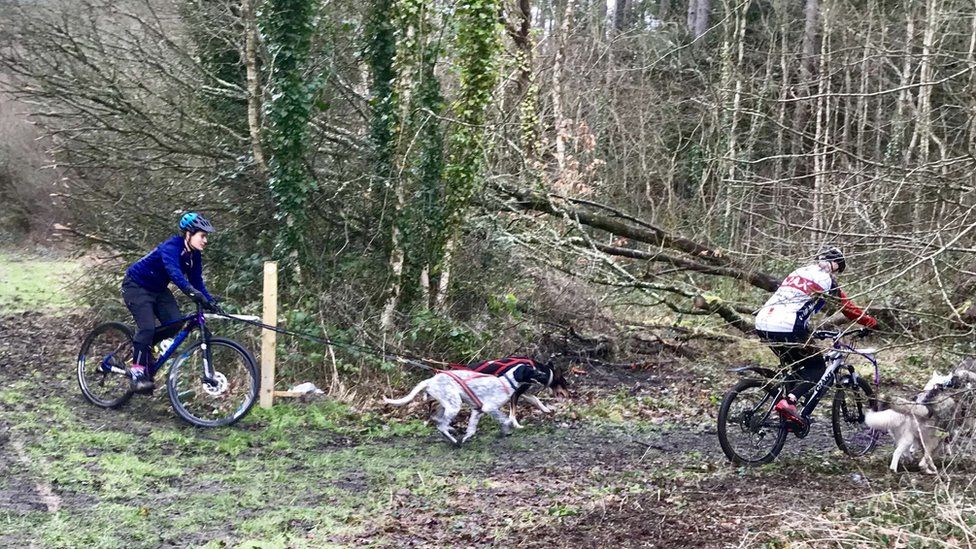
800, 295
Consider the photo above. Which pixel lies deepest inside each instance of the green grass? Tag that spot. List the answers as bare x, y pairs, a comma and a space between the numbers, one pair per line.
30, 282
293, 476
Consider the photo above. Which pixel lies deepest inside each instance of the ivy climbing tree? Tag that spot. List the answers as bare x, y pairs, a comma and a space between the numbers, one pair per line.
415, 148
380, 51
478, 50
287, 27
423, 221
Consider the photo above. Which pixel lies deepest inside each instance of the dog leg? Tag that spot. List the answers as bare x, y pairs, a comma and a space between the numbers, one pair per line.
904, 444
504, 422
438, 414
451, 405
472, 425
533, 400
512, 419
929, 448
514, 406
447, 434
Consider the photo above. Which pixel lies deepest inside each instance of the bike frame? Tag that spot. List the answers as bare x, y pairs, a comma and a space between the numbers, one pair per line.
193, 321
836, 360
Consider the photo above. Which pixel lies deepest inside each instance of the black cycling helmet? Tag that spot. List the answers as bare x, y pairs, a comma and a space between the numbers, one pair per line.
834, 254
194, 222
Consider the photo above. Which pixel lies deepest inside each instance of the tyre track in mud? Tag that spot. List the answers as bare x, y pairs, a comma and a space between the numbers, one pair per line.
20, 490
14, 498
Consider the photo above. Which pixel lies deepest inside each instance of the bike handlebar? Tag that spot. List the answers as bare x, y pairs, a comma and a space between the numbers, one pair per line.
213, 307
837, 334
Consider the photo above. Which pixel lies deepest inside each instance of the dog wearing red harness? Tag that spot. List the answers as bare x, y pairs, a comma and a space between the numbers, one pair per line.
484, 393
500, 366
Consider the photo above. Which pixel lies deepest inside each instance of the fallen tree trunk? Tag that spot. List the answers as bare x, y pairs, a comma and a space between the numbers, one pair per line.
757, 279
709, 260
704, 259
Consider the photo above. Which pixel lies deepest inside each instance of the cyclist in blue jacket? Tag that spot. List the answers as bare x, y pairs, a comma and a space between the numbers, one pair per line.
147, 295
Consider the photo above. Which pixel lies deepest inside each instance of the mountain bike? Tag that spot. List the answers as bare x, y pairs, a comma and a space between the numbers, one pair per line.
213, 383
751, 432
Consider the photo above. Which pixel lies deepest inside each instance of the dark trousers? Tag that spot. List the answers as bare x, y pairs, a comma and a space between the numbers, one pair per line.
793, 350
146, 307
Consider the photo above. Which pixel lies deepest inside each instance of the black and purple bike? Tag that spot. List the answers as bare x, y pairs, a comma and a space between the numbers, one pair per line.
212, 383
751, 432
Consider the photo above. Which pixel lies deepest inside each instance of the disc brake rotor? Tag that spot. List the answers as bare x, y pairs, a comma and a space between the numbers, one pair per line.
218, 388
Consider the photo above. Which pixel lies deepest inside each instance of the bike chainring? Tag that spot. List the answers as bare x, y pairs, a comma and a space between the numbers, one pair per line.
800, 429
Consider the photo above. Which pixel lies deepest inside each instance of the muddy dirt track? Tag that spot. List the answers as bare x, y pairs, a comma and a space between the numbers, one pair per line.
652, 477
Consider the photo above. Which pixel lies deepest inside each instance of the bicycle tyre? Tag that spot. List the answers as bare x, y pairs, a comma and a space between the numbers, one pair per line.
848, 411
768, 437
202, 405
99, 366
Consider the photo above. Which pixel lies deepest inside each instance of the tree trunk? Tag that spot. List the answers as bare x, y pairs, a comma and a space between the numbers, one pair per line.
701, 17
444, 281
561, 123
821, 141
922, 136
254, 99
807, 72
619, 15
525, 91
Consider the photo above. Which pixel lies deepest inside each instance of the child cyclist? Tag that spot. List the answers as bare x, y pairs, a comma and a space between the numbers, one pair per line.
147, 295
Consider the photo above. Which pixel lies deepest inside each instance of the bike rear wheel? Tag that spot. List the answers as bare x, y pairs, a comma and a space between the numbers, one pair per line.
103, 373
851, 401
228, 398
750, 432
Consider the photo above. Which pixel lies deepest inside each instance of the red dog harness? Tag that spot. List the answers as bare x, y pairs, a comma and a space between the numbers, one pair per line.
467, 390
496, 367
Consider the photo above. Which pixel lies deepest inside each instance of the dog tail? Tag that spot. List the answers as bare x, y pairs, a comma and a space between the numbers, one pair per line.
910, 408
883, 421
413, 394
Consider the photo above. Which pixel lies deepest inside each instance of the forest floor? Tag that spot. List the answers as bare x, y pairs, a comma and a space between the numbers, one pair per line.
632, 460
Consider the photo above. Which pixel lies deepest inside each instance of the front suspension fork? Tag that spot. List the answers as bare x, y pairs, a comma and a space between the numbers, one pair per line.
208, 369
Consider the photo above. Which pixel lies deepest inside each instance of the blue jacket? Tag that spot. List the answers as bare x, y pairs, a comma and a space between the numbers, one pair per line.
170, 262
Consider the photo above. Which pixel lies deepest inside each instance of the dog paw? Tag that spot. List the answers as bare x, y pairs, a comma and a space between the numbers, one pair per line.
449, 438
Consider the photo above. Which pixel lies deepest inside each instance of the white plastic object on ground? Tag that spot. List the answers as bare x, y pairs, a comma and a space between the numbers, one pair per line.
307, 387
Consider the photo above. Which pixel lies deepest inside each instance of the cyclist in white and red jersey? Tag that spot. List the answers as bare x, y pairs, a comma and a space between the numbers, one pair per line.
783, 322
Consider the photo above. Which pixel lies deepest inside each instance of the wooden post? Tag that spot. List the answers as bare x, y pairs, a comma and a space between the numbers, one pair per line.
269, 338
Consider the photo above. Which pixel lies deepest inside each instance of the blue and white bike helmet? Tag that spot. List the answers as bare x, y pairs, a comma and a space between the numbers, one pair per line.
194, 222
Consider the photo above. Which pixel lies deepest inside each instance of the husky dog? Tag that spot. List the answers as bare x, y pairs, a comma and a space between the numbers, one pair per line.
485, 394
916, 424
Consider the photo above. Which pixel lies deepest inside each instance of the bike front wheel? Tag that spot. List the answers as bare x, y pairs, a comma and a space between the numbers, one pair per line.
222, 400
853, 397
750, 432
102, 372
